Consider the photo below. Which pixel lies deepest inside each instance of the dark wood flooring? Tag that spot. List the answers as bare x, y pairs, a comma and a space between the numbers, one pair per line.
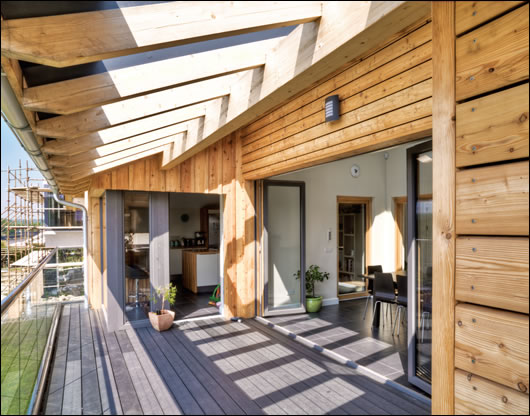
341, 329
204, 367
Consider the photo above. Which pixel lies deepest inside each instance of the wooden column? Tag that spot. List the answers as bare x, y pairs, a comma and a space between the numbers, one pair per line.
443, 114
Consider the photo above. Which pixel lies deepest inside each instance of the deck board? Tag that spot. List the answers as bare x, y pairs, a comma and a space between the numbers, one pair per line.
204, 367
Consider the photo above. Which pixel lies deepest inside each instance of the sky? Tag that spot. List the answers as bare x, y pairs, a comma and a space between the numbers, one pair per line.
12, 152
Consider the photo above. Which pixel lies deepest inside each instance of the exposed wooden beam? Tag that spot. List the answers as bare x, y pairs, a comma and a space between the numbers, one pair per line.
122, 131
118, 146
75, 95
79, 38
113, 157
443, 209
126, 157
99, 118
311, 52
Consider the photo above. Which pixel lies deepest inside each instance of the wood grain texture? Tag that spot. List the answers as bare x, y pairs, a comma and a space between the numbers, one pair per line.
493, 200
493, 128
77, 38
475, 395
493, 271
340, 36
493, 56
443, 141
492, 344
470, 14
392, 63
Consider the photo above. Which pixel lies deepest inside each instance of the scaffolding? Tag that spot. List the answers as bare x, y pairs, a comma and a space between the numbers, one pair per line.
23, 224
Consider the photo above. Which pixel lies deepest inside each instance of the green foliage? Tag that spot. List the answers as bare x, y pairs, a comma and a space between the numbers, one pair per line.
312, 275
165, 293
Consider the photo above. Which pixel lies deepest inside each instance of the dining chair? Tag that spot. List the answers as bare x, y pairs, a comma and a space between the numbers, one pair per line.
383, 292
401, 301
371, 270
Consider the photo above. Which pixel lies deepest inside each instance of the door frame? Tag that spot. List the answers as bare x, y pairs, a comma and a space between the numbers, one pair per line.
367, 201
265, 254
412, 196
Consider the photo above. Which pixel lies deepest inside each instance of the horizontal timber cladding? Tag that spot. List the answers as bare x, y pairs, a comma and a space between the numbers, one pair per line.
493, 128
493, 200
493, 56
492, 343
470, 14
491, 266
215, 170
477, 395
385, 99
493, 271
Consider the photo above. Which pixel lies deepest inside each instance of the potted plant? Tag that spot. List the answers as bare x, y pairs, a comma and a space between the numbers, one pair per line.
162, 319
312, 275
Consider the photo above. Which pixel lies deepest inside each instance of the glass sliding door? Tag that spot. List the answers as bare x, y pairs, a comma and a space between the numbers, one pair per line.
136, 244
284, 240
419, 194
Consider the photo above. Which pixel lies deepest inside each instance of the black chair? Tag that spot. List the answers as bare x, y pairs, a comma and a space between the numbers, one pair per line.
384, 292
401, 300
371, 270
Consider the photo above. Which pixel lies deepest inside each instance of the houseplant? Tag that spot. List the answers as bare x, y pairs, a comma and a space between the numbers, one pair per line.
313, 275
162, 319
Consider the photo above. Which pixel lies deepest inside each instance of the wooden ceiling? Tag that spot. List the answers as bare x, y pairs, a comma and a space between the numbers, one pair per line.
181, 104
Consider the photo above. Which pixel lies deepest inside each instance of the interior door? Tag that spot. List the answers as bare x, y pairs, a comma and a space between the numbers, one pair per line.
284, 247
419, 235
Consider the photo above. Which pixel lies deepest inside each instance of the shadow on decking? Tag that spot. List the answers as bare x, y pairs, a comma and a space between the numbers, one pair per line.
204, 367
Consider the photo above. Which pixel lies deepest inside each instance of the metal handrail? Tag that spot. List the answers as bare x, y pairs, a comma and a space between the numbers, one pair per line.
8, 300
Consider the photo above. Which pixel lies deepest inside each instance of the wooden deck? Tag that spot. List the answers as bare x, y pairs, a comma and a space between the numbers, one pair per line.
206, 367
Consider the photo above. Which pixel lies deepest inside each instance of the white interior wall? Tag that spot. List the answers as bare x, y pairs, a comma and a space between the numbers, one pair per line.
381, 178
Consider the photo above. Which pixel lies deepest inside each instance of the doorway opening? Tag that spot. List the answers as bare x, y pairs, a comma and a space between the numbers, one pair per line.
354, 216
194, 259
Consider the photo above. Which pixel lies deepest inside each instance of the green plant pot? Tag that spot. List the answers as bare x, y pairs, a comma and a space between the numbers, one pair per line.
313, 304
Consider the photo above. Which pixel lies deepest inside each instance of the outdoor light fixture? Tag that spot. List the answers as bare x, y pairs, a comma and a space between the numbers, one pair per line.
332, 108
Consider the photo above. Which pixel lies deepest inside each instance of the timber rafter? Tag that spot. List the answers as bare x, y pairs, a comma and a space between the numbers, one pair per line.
181, 105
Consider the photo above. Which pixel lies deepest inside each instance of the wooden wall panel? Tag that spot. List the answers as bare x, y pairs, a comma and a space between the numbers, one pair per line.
443, 207
390, 89
493, 200
493, 56
470, 14
217, 169
493, 271
492, 344
493, 128
491, 205
477, 395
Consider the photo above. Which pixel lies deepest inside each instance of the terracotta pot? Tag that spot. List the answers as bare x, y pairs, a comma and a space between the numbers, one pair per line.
162, 322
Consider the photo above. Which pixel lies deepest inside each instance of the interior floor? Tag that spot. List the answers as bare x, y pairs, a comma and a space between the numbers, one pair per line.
341, 328
190, 305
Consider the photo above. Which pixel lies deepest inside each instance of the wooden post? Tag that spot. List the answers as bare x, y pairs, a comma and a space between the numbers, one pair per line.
443, 114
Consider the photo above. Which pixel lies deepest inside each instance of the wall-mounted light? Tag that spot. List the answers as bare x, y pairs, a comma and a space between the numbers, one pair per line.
332, 108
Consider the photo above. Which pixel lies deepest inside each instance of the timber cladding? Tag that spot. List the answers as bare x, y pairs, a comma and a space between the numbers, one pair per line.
215, 170
385, 99
492, 203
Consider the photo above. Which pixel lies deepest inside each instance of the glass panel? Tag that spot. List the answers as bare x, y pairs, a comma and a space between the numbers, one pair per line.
25, 327
284, 247
136, 238
424, 266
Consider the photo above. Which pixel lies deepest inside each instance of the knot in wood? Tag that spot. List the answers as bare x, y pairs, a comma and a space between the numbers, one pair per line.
504, 399
469, 376
459, 323
522, 386
491, 70
523, 117
448, 236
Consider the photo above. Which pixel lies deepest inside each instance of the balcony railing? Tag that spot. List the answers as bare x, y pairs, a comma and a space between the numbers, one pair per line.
29, 323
